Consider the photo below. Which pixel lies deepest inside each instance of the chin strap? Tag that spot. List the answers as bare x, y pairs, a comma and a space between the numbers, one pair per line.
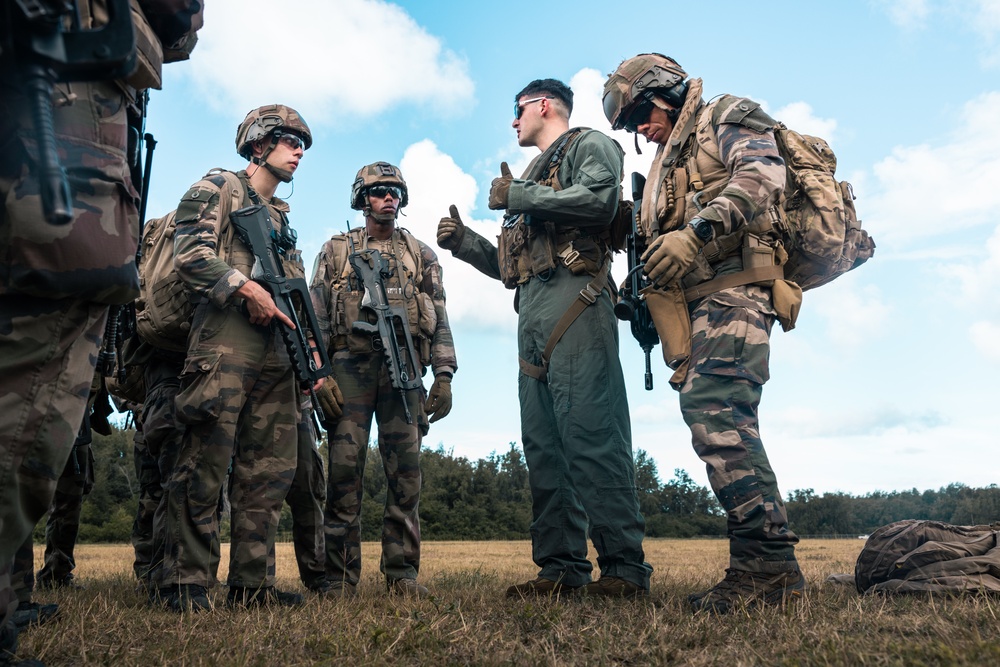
282, 175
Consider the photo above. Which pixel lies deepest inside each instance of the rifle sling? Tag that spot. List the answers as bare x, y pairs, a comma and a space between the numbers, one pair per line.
588, 295
745, 277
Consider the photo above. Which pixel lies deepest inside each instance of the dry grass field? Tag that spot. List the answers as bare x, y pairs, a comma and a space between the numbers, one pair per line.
468, 621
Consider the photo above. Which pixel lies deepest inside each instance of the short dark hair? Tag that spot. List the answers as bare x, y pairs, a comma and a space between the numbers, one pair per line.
553, 87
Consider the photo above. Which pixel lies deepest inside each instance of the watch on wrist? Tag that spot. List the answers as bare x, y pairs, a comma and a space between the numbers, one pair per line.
702, 229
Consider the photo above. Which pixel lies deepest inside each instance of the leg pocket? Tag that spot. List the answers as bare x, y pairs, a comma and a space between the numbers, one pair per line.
199, 399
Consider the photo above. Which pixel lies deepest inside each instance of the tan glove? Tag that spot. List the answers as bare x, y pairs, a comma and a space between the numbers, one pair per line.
671, 255
451, 230
500, 188
332, 402
438, 403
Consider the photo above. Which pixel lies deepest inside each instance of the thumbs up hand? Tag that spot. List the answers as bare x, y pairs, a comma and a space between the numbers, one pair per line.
500, 188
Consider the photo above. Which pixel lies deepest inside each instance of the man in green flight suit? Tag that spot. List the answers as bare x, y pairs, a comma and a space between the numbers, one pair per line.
554, 249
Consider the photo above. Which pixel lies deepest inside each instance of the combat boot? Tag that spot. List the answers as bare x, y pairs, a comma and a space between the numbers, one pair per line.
52, 583
319, 587
540, 588
32, 613
743, 589
406, 588
268, 596
341, 589
614, 587
186, 597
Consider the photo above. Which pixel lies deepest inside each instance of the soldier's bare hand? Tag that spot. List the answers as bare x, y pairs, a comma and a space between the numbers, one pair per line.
450, 230
260, 305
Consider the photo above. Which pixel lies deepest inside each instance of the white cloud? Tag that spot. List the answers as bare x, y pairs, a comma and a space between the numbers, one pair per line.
855, 315
907, 14
435, 182
986, 22
799, 116
854, 421
928, 190
985, 336
327, 59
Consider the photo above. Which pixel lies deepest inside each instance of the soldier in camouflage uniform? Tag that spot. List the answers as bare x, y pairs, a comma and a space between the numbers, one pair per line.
56, 281
156, 448
61, 528
306, 498
724, 157
362, 375
554, 248
238, 399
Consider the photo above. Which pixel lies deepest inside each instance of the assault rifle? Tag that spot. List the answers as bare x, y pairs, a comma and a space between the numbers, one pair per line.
402, 363
253, 225
121, 318
631, 306
36, 37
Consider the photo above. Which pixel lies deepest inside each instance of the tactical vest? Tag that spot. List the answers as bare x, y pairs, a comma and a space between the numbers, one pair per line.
536, 249
687, 183
403, 288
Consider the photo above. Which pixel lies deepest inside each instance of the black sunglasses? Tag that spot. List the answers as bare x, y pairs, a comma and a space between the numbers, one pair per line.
519, 106
380, 191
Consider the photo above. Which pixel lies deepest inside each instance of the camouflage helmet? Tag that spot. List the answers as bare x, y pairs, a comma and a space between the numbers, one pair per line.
262, 121
636, 76
377, 173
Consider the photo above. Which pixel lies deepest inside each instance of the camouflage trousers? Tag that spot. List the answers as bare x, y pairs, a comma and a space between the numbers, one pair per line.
48, 350
238, 402
156, 448
719, 401
577, 439
62, 526
364, 382
306, 499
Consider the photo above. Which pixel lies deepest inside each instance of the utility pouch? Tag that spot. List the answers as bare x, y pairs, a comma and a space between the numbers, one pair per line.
757, 253
356, 343
786, 298
149, 53
701, 271
510, 245
428, 323
540, 249
670, 315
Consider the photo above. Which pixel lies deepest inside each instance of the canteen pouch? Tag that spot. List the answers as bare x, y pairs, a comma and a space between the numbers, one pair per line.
670, 315
786, 297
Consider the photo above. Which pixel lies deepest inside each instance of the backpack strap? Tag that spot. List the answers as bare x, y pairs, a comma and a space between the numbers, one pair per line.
588, 296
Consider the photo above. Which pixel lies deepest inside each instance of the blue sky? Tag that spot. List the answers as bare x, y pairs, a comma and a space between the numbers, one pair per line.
888, 381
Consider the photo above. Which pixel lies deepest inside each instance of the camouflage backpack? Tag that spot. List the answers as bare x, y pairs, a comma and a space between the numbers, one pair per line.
820, 229
915, 556
165, 305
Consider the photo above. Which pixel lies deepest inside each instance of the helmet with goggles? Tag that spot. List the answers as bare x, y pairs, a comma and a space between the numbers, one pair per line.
374, 176
265, 120
629, 91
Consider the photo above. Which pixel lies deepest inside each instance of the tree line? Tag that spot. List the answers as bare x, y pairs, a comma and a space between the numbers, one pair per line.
489, 499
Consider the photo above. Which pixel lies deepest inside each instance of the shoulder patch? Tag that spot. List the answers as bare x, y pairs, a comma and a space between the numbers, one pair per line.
217, 179
742, 111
